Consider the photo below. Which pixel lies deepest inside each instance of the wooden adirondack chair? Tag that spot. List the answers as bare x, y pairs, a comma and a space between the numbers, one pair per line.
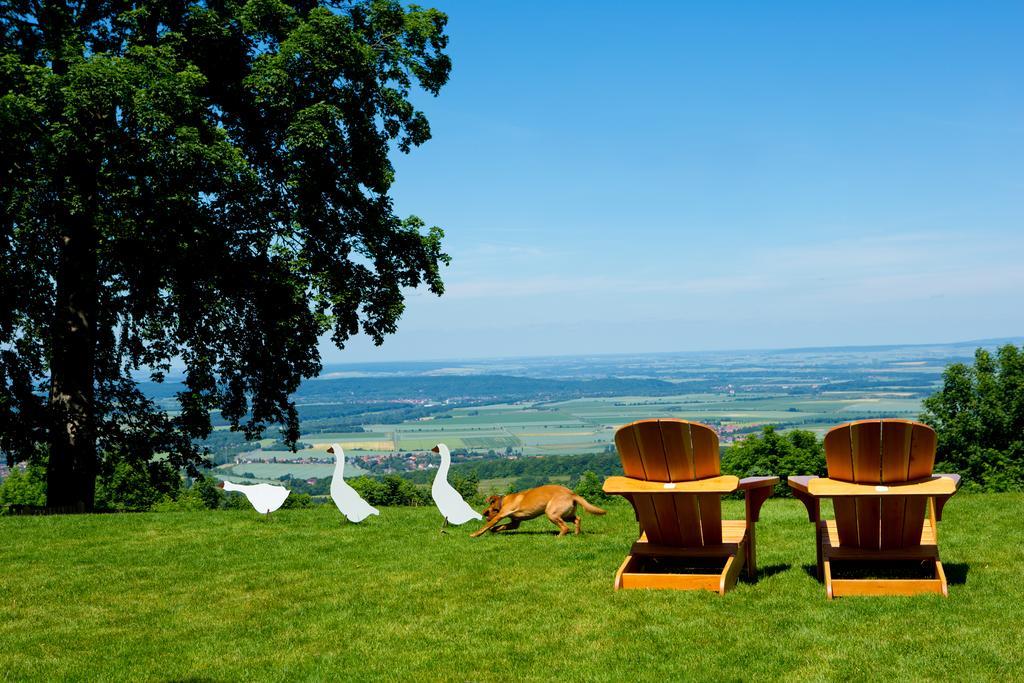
887, 504
674, 482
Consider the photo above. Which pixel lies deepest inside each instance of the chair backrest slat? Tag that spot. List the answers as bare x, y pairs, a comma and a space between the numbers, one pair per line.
668, 525
922, 452
652, 451
896, 441
710, 505
880, 452
707, 460
866, 440
923, 442
648, 517
839, 458
629, 454
677, 441
668, 450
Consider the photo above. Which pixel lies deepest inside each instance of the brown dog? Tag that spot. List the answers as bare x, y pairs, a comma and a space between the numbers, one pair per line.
557, 502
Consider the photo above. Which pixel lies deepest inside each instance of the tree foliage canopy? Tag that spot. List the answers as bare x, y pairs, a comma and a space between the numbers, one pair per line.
203, 181
795, 452
978, 416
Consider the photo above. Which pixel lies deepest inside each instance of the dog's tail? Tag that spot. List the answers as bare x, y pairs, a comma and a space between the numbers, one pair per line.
592, 509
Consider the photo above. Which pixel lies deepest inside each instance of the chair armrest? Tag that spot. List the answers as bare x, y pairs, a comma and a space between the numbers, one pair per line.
940, 501
625, 485
800, 484
823, 487
756, 490
747, 483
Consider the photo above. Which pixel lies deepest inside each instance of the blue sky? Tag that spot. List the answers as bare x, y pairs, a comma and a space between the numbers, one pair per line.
617, 177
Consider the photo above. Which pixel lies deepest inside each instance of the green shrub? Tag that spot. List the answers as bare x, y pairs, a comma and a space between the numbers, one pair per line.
208, 491
590, 487
186, 502
391, 490
202, 494
468, 487
298, 500
235, 501
130, 485
26, 487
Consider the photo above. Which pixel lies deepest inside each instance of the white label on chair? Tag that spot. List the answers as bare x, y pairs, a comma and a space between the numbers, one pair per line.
670, 486
881, 489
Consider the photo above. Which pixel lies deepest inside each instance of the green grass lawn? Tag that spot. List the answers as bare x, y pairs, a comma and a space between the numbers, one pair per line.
226, 596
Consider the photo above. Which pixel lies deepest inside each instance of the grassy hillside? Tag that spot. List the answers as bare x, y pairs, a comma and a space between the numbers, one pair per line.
226, 596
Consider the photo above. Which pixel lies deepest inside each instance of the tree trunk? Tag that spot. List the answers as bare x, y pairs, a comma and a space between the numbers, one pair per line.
71, 469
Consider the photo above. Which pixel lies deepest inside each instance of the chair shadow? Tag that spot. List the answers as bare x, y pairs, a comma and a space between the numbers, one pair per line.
956, 573
765, 572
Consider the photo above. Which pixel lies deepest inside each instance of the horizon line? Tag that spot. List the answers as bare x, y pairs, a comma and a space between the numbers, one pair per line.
1015, 339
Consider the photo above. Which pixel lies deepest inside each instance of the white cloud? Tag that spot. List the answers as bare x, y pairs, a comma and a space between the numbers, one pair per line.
879, 289
907, 265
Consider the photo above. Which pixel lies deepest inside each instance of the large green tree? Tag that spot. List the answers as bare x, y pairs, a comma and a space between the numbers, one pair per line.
978, 416
202, 182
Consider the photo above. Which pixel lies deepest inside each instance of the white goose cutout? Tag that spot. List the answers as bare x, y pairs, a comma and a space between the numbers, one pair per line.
453, 508
345, 497
265, 498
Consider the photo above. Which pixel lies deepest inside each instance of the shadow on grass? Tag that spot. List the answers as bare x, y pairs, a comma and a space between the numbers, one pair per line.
532, 532
765, 572
811, 570
956, 573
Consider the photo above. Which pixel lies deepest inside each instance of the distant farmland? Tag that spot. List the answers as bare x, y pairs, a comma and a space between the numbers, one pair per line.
572, 406
588, 425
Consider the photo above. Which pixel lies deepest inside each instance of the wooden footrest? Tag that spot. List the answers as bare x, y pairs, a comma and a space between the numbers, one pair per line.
841, 587
636, 571
630, 575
